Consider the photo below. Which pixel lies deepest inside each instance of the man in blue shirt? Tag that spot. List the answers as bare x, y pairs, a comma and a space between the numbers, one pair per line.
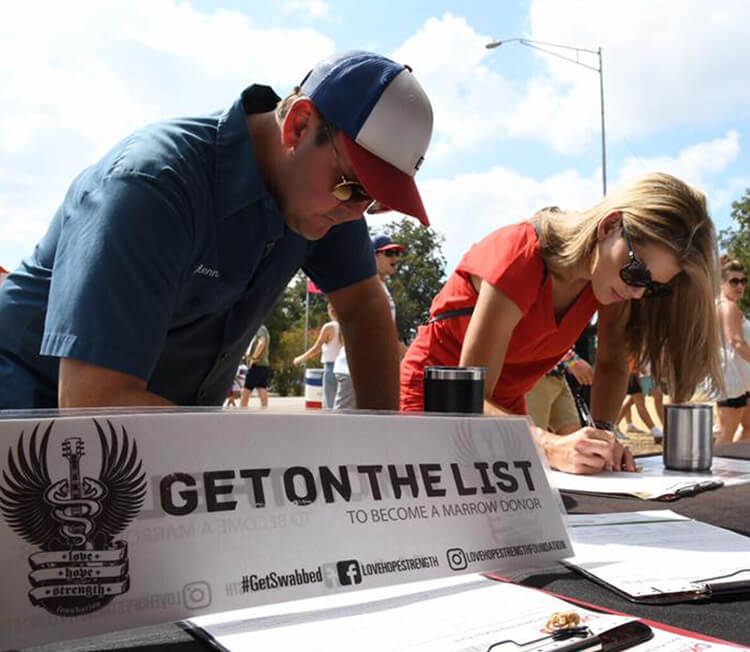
166, 255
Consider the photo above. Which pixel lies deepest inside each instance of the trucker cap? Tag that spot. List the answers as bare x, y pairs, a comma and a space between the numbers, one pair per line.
386, 119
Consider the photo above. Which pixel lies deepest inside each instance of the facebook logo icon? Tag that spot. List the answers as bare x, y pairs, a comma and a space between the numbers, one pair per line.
349, 572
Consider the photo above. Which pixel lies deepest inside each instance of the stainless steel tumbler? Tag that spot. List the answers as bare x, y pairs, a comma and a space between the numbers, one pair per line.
454, 389
688, 437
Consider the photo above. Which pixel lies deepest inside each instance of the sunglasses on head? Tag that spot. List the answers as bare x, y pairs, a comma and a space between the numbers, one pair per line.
737, 281
637, 275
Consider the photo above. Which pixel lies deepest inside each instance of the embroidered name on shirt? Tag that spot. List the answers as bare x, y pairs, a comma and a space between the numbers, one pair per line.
206, 271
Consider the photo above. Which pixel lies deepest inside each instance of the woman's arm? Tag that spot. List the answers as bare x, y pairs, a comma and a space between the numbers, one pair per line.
731, 324
492, 323
585, 451
324, 337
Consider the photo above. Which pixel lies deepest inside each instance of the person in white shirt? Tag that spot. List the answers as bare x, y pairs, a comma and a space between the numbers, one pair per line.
732, 406
387, 254
328, 344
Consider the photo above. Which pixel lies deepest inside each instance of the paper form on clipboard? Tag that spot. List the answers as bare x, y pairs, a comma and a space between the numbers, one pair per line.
659, 557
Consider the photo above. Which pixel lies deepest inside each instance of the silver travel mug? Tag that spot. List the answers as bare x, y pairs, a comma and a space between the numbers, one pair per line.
454, 389
688, 437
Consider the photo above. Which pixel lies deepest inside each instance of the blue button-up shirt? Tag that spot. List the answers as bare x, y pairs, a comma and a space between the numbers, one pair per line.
162, 262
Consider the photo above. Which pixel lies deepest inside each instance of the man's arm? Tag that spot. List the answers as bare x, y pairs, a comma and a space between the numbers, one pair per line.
83, 384
371, 343
611, 368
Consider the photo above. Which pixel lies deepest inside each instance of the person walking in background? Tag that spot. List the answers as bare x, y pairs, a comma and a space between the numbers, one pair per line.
520, 298
732, 407
238, 384
636, 397
328, 343
387, 254
259, 368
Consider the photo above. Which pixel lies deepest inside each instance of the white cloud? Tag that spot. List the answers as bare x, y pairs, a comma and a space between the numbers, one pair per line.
310, 9
77, 77
696, 164
468, 207
665, 64
701, 165
469, 101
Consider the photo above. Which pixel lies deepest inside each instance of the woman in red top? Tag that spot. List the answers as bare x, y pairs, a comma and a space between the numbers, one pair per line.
521, 297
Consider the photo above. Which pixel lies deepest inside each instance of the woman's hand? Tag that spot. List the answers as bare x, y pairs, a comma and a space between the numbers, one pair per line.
587, 451
298, 360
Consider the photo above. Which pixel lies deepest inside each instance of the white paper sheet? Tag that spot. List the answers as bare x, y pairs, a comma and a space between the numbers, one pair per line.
441, 617
648, 553
653, 480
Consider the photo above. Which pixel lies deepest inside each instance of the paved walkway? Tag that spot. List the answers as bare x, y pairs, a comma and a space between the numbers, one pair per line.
283, 404
639, 443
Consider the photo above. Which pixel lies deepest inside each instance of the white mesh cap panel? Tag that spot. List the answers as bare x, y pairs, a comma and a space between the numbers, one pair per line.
399, 127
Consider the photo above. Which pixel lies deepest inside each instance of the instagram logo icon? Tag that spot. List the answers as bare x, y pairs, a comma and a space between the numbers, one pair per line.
196, 595
456, 559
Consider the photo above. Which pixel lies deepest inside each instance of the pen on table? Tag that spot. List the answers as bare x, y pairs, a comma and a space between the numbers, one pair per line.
621, 637
698, 487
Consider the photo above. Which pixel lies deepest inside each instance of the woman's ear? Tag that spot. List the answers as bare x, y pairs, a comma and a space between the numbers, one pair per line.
297, 120
609, 225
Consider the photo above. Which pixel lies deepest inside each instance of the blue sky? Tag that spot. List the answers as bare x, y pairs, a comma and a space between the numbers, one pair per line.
514, 129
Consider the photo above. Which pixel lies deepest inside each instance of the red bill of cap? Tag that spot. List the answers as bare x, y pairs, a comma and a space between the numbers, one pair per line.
391, 247
386, 183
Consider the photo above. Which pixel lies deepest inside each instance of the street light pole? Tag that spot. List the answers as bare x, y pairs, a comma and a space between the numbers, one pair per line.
537, 45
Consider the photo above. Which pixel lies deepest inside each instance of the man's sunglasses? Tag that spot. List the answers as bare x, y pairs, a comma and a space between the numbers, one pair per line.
637, 275
345, 191
737, 281
391, 253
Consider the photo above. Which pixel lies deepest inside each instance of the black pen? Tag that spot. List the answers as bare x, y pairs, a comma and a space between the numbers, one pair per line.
621, 637
698, 487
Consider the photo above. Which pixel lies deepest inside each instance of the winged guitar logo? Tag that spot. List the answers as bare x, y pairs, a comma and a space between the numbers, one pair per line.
74, 520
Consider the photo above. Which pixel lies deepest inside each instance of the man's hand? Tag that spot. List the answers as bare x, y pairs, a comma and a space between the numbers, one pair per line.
582, 371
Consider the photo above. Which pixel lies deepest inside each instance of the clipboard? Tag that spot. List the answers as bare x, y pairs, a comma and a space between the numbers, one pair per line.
705, 591
659, 557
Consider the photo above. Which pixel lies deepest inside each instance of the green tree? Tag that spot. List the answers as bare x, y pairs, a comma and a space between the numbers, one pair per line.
736, 239
420, 275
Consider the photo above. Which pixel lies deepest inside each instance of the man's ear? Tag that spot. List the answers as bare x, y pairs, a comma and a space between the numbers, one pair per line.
608, 225
297, 121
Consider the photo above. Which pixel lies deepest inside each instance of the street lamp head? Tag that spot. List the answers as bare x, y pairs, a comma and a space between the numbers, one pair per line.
494, 44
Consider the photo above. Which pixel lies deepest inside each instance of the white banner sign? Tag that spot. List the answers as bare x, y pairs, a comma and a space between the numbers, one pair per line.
111, 522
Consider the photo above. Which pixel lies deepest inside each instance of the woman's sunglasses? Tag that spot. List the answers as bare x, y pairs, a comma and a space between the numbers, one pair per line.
737, 281
637, 275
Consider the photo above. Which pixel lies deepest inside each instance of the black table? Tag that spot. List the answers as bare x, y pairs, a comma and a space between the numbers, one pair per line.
728, 507
729, 619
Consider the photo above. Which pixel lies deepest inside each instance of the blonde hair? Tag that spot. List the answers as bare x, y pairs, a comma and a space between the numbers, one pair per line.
729, 264
678, 333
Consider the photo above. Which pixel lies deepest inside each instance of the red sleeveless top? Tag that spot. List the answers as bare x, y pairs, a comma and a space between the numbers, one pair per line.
510, 260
